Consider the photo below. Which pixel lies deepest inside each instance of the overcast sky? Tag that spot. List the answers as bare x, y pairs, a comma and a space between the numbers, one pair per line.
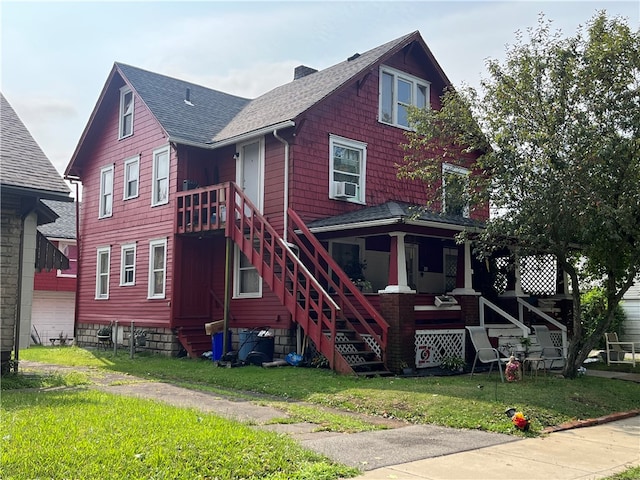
56, 55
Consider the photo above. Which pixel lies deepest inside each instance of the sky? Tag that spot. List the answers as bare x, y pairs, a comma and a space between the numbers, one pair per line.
56, 56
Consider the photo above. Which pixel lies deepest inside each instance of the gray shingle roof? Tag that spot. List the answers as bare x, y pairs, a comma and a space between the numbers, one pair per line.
23, 163
394, 212
209, 112
288, 101
65, 225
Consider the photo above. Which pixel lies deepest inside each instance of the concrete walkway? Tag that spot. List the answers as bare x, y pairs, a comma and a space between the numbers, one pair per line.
413, 452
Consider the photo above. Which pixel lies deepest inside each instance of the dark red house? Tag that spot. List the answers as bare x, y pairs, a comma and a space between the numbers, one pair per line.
296, 193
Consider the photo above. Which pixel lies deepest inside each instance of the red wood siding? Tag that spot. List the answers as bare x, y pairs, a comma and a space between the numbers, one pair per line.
132, 221
50, 281
353, 114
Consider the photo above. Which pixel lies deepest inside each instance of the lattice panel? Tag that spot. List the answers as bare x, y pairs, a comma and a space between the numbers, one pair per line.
500, 283
372, 343
434, 345
538, 275
348, 348
556, 338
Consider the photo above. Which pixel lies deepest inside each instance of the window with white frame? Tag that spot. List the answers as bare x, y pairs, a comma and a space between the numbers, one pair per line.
398, 91
157, 268
247, 282
69, 250
106, 192
455, 190
160, 186
128, 264
102, 273
347, 169
131, 177
125, 128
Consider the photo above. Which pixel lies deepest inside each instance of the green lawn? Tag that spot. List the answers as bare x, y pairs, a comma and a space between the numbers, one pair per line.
462, 401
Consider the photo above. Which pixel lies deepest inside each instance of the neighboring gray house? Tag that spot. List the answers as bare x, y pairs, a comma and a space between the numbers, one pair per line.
631, 307
26, 177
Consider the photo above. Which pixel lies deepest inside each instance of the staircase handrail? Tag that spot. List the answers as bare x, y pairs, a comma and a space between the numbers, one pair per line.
484, 302
345, 282
563, 329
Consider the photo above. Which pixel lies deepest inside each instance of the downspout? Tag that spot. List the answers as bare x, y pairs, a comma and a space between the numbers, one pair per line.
285, 218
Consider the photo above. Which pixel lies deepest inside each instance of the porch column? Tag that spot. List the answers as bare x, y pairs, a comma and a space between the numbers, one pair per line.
514, 286
397, 266
468, 274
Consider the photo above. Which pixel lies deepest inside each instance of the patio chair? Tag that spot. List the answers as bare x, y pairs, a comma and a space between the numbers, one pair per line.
615, 352
484, 351
549, 352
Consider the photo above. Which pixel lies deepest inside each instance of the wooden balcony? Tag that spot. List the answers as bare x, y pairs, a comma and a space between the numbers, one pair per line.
202, 209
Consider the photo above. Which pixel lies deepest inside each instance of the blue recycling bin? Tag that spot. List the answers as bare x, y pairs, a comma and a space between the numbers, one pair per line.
217, 345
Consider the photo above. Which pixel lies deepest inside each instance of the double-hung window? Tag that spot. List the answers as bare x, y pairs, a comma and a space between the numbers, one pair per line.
128, 264
347, 169
247, 281
455, 190
102, 273
157, 268
125, 128
160, 185
131, 177
106, 192
398, 91
70, 250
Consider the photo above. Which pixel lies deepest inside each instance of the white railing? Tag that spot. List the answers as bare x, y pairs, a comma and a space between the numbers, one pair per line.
563, 330
486, 303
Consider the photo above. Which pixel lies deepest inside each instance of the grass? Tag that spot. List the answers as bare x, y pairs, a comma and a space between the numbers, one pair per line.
81, 433
93, 435
461, 401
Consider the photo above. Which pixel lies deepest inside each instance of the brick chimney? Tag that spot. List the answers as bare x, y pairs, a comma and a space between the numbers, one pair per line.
302, 71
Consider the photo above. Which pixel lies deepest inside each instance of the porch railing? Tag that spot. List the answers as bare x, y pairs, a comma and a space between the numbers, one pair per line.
547, 318
486, 303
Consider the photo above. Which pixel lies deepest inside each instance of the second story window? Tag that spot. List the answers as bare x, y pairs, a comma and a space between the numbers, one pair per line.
70, 250
106, 192
347, 169
160, 186
455, 190
125, 128
398, 91
131, 175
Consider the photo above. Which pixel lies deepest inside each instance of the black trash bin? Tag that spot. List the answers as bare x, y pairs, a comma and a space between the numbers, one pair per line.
256, 346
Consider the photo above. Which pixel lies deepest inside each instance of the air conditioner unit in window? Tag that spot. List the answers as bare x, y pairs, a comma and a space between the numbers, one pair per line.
346, 189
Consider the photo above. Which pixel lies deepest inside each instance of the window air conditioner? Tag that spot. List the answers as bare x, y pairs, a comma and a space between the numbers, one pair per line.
445, 301
346, 189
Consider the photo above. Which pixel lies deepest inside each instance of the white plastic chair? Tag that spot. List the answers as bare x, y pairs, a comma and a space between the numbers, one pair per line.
484, 351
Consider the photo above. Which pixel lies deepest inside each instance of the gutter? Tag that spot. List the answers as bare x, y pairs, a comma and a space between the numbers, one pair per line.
254, 133
392, 221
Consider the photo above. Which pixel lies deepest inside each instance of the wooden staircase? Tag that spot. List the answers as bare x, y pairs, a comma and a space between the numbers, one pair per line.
343, 325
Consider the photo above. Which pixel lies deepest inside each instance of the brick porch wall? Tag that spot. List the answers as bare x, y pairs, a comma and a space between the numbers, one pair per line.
398, 310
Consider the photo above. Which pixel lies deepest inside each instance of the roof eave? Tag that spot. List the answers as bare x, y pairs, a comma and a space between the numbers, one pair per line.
252, 134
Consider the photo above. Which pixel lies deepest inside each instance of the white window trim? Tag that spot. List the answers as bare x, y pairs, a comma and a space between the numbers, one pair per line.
128, 162
100, 251
415, 81
123, 248
354, 145
236, 279
103, 171
448, 168
61, 246
154, 180
123, 91
150, 294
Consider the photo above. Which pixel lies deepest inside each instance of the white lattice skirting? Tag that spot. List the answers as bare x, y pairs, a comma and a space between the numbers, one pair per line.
434, 345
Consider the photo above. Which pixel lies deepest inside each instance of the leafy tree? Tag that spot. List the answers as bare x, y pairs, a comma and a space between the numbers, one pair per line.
554, 139
594, 312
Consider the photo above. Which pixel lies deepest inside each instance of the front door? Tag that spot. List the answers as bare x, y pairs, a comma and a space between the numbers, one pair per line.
250, 171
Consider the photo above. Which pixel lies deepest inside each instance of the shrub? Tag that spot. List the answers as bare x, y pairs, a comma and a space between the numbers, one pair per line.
594, 310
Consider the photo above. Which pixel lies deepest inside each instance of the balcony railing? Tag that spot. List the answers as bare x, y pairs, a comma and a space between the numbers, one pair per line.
202, 209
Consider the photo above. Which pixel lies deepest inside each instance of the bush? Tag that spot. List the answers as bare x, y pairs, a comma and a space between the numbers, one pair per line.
594, 310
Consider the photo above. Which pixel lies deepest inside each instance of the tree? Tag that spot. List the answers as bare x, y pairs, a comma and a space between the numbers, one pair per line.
556, 131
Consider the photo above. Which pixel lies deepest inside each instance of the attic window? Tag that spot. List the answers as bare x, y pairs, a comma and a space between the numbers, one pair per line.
398, 91
126, 113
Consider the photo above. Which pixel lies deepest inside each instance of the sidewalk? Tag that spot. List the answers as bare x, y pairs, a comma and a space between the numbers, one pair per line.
413, 452
578, 454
